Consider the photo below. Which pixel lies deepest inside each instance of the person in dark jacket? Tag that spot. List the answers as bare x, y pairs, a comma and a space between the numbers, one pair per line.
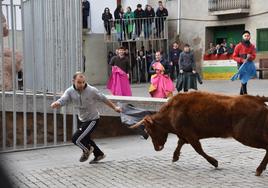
163, 61
107, 21
139, 15
187, 68
174, 60
149, 15
119, 22
161, 15
85, 13
244, 52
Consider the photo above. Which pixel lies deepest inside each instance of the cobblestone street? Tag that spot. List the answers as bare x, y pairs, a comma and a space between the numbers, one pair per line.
132, 162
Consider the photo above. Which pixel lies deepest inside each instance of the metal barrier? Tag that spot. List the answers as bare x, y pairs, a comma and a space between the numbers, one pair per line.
51, 46
136, 29
216, 5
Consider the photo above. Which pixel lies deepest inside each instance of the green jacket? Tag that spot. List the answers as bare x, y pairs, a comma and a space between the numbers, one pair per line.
129, 21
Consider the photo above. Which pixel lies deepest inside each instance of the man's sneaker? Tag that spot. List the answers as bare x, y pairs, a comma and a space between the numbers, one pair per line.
86, 154
97, 159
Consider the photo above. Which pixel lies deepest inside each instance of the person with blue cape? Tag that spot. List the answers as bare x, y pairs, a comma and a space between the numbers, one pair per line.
244, 54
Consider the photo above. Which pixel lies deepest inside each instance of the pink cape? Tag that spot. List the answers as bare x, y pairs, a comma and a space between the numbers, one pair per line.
161, 85
118, 82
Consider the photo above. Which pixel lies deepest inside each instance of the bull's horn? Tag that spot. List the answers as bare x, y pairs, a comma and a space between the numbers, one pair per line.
137, 124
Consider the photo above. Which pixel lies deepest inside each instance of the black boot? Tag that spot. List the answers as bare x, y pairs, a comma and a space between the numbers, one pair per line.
243, 89
245, 92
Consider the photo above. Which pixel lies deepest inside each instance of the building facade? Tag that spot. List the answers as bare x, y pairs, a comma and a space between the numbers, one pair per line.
201, 22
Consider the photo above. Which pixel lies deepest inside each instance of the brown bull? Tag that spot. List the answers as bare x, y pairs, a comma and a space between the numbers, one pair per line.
197, 115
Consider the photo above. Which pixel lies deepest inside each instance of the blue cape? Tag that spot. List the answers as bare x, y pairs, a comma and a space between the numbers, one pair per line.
246, 71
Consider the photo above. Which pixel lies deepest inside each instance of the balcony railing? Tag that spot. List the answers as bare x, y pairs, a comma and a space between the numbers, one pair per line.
123, 30
220, 5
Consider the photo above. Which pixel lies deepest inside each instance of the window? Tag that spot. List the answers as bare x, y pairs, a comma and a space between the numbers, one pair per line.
262, 39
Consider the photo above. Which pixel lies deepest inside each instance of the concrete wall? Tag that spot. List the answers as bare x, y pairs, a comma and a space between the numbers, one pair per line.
96, 62
199, 16
97, 8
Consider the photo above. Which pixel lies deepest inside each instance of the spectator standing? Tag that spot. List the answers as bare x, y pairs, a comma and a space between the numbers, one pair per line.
163, 61
161, 84
107, 18
129, 22
230, 49
244, 52
85, 13
161, 15
119, 22
149, 59
211, 50
139, 15
174, 60
149, 14
188, 76
219, 49
141, 62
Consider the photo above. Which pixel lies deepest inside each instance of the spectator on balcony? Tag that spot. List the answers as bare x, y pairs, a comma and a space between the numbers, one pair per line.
85, 13
230, 49
211, 50
161, 15
219, 49
174, 60
107, 18
119, 22
149, 15
129, 22
139, 16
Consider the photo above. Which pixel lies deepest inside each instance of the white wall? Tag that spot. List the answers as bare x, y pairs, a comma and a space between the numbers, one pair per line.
133, 4
97, 8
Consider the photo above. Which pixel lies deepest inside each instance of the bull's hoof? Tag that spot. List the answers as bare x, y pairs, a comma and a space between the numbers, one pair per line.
214, 162
175, 159
258, 173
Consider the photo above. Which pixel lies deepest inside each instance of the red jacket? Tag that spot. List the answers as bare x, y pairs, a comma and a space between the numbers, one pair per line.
241, 51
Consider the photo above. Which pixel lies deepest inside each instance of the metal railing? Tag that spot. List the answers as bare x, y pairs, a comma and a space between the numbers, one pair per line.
51, 47
217, 5
122, 30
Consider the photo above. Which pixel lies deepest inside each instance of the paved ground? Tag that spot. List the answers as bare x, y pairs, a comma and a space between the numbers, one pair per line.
132, 162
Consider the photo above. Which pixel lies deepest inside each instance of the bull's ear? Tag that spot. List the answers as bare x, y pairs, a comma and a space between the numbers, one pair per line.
149, 120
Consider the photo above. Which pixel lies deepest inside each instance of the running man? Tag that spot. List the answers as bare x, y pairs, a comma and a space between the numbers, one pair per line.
84, 97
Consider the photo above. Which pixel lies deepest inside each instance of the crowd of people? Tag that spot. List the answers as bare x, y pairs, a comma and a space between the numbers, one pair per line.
154, 67
130, 25
221, 49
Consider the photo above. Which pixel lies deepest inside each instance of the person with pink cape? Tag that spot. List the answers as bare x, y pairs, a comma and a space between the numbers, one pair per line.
161, 84
118, 82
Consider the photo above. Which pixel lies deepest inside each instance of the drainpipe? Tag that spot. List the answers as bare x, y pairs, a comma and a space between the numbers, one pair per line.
179, 18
